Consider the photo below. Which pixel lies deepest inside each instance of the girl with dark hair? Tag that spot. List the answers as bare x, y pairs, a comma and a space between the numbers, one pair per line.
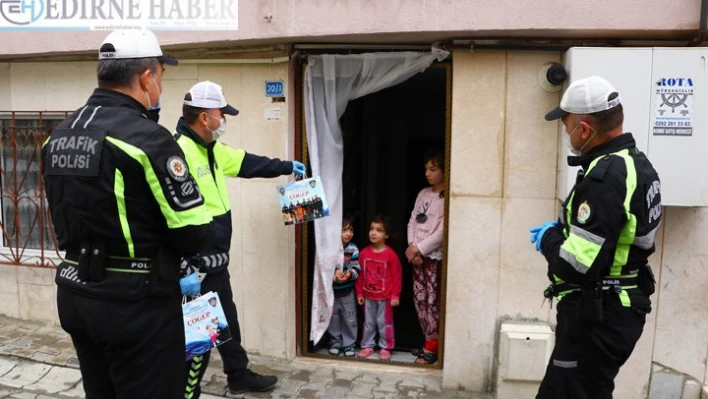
425, 236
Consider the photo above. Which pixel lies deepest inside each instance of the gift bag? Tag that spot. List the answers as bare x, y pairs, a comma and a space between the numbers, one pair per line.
302, 200
205, 325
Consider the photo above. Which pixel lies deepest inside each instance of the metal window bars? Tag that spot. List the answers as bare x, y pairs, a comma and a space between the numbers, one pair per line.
27, 232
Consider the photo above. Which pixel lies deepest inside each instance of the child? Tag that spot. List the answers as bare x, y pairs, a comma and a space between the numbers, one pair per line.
425, 236
378, 287
343, 326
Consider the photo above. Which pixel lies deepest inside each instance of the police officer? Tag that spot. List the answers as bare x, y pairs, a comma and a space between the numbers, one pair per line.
597, 252
203, 121
125, 209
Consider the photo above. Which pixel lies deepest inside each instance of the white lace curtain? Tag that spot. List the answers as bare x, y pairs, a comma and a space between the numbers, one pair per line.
331, 81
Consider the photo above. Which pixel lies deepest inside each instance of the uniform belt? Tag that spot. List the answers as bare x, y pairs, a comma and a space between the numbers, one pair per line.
608, 283
117, 263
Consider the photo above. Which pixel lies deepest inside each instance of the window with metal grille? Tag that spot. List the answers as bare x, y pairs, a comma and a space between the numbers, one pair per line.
27, 234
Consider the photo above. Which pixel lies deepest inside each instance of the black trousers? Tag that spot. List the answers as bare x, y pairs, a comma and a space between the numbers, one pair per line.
588, 356
126, 350
232, 353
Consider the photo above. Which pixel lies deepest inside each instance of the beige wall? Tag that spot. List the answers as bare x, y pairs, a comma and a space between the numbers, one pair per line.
502, 177
262, 261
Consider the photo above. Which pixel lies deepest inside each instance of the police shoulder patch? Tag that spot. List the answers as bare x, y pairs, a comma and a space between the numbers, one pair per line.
177, 168
584, 212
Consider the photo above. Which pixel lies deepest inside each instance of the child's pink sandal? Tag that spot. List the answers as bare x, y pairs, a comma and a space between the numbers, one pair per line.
365, 352
384, 354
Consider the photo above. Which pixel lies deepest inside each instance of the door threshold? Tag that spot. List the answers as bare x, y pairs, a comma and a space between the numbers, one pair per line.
367, 365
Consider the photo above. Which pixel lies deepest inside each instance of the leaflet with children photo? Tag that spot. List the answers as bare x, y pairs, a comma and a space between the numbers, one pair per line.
302, 201
205, 325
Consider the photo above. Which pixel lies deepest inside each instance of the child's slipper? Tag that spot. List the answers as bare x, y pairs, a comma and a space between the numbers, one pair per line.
417, 351
384, 354
365, 352
427, 358
349, 351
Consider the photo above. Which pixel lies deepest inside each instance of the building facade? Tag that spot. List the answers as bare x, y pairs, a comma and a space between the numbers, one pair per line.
503, 166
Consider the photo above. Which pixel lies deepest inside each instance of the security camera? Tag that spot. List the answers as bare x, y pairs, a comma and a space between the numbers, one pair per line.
551, 77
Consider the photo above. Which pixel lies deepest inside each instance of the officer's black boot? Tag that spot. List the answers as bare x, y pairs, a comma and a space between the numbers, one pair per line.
249, 381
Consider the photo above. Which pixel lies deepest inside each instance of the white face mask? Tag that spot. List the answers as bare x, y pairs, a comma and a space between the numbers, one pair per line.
569, 142
220, 130
156, 106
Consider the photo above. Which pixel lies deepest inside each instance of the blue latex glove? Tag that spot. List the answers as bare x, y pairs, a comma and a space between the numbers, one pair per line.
299, 168
538, 232
190, 285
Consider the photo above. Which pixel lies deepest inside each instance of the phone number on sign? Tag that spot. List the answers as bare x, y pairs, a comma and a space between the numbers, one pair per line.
672, 124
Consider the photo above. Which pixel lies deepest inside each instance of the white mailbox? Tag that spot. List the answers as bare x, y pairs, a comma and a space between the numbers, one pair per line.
662, 90
524, 351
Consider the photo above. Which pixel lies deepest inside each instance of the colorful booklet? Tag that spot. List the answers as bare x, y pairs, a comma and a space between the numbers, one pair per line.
302, 201
205, 325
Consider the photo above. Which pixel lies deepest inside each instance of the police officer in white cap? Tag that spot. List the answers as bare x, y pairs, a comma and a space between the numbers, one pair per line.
597, 251
125, 209
202, 123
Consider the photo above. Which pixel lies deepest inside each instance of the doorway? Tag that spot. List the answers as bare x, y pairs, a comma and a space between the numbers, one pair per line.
385, 137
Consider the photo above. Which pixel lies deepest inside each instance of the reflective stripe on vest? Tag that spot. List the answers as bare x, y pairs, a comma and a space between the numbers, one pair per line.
119, 192
175, 219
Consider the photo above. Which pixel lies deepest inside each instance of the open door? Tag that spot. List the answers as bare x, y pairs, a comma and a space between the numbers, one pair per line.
385, 135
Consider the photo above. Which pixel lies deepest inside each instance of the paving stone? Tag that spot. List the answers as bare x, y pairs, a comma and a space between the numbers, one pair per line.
6, 366
389, 384
301, 375
77, 391
666, 385
283, 396
316, 384
346, 375
24, 342
73, 362
25, 373
333, 392
309, 393
412, 383
289, 386
362, 388
23, 395
4, 392
368, 377
327, 372
58, 379
52, 350
258, 395
6, 350
42, 357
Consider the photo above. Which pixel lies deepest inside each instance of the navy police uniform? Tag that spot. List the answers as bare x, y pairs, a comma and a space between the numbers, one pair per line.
125, 209
597, 263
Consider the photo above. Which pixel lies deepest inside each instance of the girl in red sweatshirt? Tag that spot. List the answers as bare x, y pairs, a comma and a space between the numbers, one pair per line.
378, 288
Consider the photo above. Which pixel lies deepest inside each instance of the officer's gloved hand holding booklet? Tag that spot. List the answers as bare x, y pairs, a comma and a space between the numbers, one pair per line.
302, 200
205, 325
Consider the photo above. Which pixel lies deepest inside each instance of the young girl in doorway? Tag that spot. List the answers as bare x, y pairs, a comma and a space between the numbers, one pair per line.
378, 289
424, 252
343, 325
